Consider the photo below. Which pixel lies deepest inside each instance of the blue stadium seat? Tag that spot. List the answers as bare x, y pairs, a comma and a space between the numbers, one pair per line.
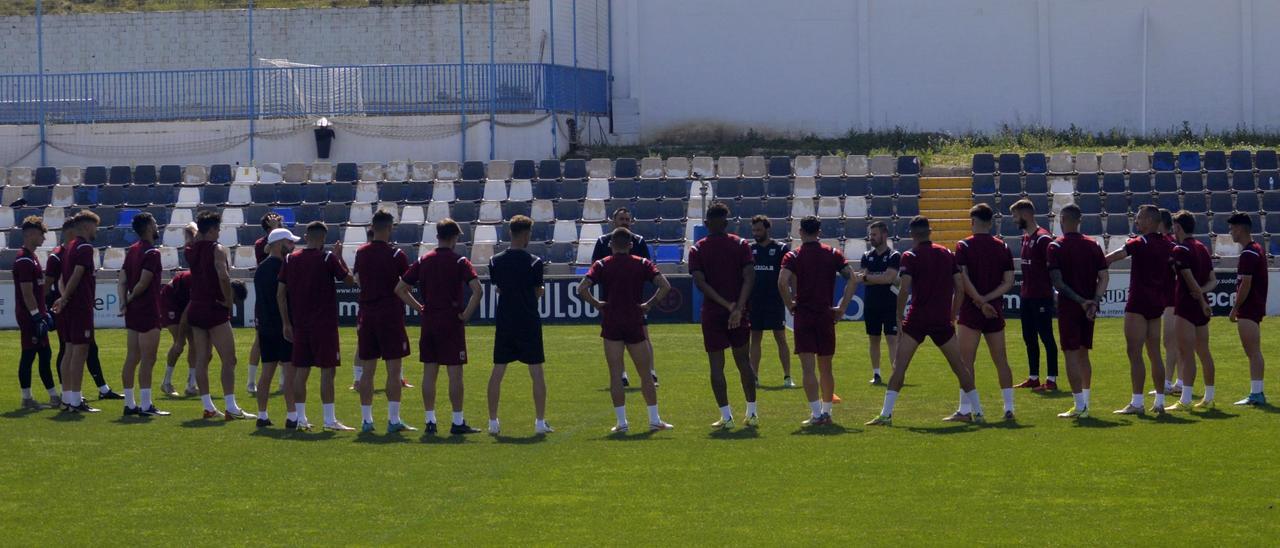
1248, 202
161, 214
575, 168
472, 171
1189, 160
1166, 181
1009, 228
171, 175
144, 175
537, 249
1265, 160
263, 194
85, 195
643, 210
830, 186
95, 176
549, 169
141, 196
1113, 183
1271, 201
569, 210
1140, 182
646, 189
306, 213
778, 187
511, 209
1191, 181
668, 254
468, 191
1010, 183
343, 193
561, 252
1010, 163
1090, 224
672, 209
779, 166
1218, 224
418, 192
391, 192
984, 164
622, 188
1215, 160
1217, 181
1037, 183
289, 194
37, 196
541, 232
215, 195
46, 176
120, 175
1040, 201
1035, 162
908, 185
747, 208
626, 168
571, 189
253, 214
524, 170
1087, 183
670, 231
777, 208
907, 206
247, 235
345, 172
545, 190
109, 236
880, 206
111, 195
1195, 202
285, 213
1115, 203
1138, 200
1242, 181
881, 185
220, 174
1241, 160
336, 214
855, 228
857, 186
1005, 201
674, 189
1220, 202
908, 165
989, 199
1090, 204
1202, 226
1171, 201
830, 228
1118, 225
1163, 161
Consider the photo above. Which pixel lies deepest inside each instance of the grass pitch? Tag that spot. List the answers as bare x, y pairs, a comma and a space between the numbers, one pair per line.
1209, 477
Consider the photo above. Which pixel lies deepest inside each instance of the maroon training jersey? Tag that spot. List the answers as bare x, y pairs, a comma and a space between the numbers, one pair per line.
53, 266
1035, 269
1194, 256
1079, 259
310, 277
986, 259
260, 249
815, 266
1169, 283
621, 278
441, 277
174, 297
932, 269
379, 266
721, 258
1150, 255
80, 253
142, 257
1253, 263
26, 269
205, 286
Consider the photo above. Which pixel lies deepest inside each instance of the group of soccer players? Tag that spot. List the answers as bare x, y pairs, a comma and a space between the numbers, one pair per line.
955, 299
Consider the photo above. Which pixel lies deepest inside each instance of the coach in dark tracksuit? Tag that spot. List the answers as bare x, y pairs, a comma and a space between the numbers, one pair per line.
640, 248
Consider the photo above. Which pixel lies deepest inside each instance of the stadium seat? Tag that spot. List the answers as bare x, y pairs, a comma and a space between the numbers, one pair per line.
908, 165
908, 185
1113, 183
1140, 182
1035, 162
1138, 200
495, 190
1009, 163
1220, 202
881, 185
296, 173
1241, 160
422, 171
830, 166
45, 176
192, 175
1215, 160
1191, 181
881, 207
623, 168
321, 172
621, 188
95, 175
855, 207
1189, 160
1086, 162
1195, 202
111, 195
472, 171
1171, 201
391, 192
983, 164
676, 167
335, 214
1137, 162
140, 196
1217, 181
804, 187
830, 207
245, 174
1090, 224
751, 188
34, 195
74, 176
1166, 181
1112, 162
908, 206
397, 171
1010, 183
1243, 181
120, 175
269, 173
1036, 184
571, 189
983, 184
1118, 225
63, 196
597, 168
448, 171
1271, 201
668, 254
778, 187
1162, 160
1062, 163
263, 194
827, 186
220, 174
1271, 223
469, 191
989, 199
855, 228
594, 211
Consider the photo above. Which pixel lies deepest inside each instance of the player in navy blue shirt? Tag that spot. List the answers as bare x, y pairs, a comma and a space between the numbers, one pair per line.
518, 277
767, 311
879, 274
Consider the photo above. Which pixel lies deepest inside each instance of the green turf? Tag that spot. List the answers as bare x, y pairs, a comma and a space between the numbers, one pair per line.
1209, 478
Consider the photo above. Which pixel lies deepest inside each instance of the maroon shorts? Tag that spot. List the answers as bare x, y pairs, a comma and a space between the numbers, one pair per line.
717, 336
1190, 311
207, 315
1075, 330
316, 348
940, 334
629, 333
27, 330
141, 321
972, 318
76, 327
169, 316
1149, 311
380, 333
443, 340
815, 333
1255, 313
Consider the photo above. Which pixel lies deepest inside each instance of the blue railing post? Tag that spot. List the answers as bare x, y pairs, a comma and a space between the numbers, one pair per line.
44, 156
462, 39
253, 92
551, 81
493, 87
577, 78
609, 73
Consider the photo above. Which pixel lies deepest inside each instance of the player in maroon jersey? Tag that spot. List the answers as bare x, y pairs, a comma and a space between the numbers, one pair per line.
380, 334
930, 278
270, 221
138, 288
33, 319
1168, 331
1150, 252
209, 315
1037, 298
986, 266
441, 278
75, 307
807, 282
623, 276
723, 268
1194, 265
1079, 273
53, 285
1251, 303
174, 297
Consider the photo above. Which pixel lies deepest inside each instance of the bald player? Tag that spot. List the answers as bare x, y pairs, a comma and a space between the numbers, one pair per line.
1251, 303
986, 267
1079, 273
1194, 266
1151, 253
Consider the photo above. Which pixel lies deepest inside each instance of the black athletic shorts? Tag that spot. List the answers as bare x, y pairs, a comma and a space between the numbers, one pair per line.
880, 317
273, 346
767, 318
518, 345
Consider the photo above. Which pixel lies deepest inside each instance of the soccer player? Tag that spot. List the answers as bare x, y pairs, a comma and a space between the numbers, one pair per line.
930, 278
33, 319
1037, 298
723, 268
52, 282
1194, 266
380, 332
879, 273
807, 281
277, 352
441, 277
518, 276
767, 310
75, 307
1251, 303
639, 247
986, 268
308, 301
209, 315
1150, 253
139, 291
621, 277
1079, 273
174, 297
270, 221
1172, 380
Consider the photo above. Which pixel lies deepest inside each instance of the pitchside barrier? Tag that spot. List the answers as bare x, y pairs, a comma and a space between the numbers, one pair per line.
561, 304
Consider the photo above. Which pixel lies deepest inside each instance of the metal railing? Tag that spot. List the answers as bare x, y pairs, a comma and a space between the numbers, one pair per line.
282, 92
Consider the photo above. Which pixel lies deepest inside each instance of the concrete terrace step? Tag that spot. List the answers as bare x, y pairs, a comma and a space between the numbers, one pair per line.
946, 182
932, 204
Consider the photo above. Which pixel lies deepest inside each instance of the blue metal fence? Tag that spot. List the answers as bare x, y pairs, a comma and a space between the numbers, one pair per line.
227, 94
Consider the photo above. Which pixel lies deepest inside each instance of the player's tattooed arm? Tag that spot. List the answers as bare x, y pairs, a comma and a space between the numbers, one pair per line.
1117, 256
1060, 284
405, 292
664, 287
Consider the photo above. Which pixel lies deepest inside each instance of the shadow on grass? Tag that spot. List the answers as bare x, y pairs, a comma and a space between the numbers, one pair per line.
643, 434
375, 438
1001, 424
1268, 408
20, 413
825, 430
521, 440
957, 428
1055, 395
1215, 415
203, 423
68, 417
443, 439
133, 419
1165, 418
735, 434
1095, 422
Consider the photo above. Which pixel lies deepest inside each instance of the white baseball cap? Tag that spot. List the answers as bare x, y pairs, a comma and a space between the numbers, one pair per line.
281, 234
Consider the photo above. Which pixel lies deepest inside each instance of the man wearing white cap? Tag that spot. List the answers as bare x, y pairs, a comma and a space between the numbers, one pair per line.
274, 348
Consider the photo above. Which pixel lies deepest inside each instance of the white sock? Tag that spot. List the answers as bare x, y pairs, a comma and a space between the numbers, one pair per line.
457, 418
146, 398
253, 373
52, 392
301, 409
357, 372
624, 375
66, 396
129, 402
191, 377
1186, 393
621, 412
539, 423
330, 416
229, 401
1079, 398
965, 408
726, 413
1208, 392
366, 413
826, 408
104, 389
1255, 387
1034, 377
1160, 398
431, 416
262, 415
1051, 378
1137, 400
751, 409
493, 425
393, 412
78, 396
26, 393
168, 375
974, 401
875, 371
1085, 393
1168, 385
1007, 393
207, 400
291, 415
815, 407
890, 399
653, 415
